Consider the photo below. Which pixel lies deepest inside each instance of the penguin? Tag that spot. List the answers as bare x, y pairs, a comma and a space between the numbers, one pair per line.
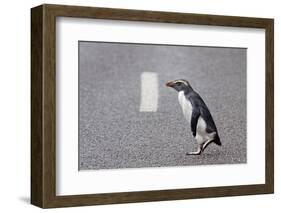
197, 114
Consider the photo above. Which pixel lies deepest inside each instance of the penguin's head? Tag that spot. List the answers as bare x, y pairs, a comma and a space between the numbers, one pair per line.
179, 85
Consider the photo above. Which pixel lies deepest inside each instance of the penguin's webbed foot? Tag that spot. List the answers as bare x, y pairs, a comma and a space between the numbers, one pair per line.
198, 152
194, 153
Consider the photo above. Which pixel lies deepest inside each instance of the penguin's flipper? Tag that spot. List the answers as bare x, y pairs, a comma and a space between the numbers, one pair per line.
194, 119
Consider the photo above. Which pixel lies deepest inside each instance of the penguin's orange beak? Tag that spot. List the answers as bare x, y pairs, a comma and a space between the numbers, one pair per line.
170, 84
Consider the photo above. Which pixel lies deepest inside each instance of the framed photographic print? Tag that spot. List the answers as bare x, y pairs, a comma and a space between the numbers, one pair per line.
136, 106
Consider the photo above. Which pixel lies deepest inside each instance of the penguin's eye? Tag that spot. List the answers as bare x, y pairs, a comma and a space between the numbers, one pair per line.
178, 83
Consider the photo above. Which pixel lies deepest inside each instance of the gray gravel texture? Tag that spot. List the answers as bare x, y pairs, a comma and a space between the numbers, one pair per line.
114, 134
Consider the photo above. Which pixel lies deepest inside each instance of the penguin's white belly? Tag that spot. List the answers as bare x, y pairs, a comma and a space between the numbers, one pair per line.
201, 134
186, 106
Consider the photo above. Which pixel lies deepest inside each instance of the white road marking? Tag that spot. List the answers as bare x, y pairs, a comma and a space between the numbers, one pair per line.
149, 92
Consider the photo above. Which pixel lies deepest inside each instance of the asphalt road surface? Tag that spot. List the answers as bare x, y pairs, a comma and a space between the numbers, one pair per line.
113, 133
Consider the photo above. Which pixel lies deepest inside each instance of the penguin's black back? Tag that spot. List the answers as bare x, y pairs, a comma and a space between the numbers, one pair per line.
198, 103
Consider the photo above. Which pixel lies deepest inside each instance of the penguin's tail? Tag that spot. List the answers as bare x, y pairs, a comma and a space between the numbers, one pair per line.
217, 140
